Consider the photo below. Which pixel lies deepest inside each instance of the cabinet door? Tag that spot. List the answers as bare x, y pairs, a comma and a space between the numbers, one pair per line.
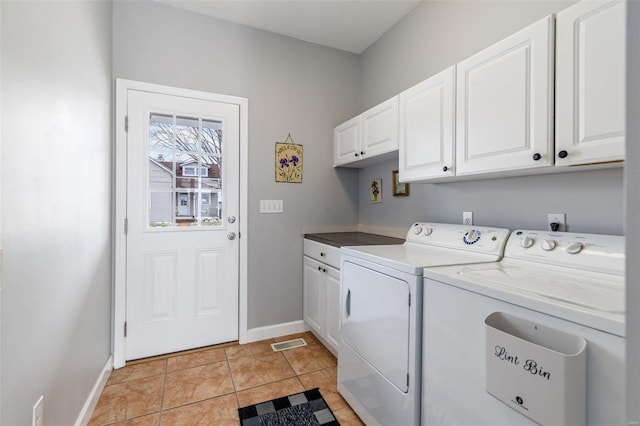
505, 104
332, 307
313, 303
346, 142
380, 129
426, 128
590, 83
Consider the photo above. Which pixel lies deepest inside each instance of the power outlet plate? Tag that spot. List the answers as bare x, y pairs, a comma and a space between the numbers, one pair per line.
38, 412
467, 218
559, 218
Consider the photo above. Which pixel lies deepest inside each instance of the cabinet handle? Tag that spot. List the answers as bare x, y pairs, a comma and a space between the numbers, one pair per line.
536, 156
445, 168
356, 154
319, 268
348, 303
324, 270
563, 154
321, 254
361, 152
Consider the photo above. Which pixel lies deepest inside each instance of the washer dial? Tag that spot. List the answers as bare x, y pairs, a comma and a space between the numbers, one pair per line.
471, 237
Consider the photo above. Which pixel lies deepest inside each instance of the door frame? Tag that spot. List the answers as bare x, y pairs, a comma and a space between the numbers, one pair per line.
120, 205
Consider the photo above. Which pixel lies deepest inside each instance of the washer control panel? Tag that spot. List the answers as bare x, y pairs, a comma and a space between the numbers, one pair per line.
464, 237
593, 252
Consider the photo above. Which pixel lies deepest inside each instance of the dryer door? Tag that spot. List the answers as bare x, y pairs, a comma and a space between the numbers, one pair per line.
375, 321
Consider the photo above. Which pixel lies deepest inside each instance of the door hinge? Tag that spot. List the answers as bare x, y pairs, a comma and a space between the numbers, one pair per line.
409, 299
407, 379
125, 329
126, 123
126, 225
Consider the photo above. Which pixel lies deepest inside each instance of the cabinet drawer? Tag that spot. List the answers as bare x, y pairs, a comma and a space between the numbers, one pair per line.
322, 252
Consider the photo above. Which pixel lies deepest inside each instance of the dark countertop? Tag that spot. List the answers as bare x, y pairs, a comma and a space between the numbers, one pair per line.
339, 239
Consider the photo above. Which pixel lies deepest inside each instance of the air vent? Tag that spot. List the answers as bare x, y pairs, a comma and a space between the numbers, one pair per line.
289, 344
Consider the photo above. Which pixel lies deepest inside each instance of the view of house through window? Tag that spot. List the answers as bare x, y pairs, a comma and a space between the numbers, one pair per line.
185, 171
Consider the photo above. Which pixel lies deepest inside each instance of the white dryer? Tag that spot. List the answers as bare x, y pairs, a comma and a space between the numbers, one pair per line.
569, 282
379, 356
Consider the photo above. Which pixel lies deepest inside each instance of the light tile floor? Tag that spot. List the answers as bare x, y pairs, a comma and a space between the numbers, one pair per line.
206, 386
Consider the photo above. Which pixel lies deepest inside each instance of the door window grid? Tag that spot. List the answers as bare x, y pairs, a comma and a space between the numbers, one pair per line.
178, 147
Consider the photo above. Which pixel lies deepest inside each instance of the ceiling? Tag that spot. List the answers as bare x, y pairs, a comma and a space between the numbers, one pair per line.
351, 25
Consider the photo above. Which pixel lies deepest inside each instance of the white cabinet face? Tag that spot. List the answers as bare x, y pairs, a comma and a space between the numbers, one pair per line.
332, 308
380, 129
504, 104
313, 306
590, 83
426, 128
346, 142
370, 138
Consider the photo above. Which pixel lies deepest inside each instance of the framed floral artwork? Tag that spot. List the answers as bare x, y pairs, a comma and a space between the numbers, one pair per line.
399, 189
288, 161
375, 191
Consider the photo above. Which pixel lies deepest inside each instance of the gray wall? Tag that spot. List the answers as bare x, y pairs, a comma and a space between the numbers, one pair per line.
56, 203
292, 86
632, 220
436, 35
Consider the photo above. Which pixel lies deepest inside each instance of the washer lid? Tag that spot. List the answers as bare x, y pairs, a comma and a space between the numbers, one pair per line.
590, 298
412, 258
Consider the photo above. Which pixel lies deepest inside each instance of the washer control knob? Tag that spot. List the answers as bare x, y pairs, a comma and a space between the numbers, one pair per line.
417, 230
574, 248
548, 245
527, 242
471, 237
428, 231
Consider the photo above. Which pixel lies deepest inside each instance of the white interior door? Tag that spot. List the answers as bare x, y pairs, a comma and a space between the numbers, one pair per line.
182, 248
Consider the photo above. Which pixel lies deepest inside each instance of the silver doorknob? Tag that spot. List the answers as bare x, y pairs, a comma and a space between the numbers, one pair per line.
231, 235
231, 219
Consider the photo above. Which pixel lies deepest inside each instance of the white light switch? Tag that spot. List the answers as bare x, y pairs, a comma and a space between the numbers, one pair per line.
271, 206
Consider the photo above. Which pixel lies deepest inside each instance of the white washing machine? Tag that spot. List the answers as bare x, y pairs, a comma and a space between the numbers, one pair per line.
379, 355
572, 283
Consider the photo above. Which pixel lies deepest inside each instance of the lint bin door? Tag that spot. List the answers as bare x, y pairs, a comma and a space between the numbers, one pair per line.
375, 320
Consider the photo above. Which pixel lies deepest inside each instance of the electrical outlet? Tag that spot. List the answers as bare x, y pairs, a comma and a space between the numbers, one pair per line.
558, 218
467, 218
38, 412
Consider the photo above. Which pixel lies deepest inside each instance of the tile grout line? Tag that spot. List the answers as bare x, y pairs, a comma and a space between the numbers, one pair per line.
233, 382
164, 389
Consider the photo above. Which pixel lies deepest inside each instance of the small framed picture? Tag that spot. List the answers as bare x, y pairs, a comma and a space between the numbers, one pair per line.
399, 189
375, 191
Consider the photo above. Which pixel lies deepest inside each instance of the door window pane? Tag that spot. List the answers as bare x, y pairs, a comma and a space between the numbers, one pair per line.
185, 163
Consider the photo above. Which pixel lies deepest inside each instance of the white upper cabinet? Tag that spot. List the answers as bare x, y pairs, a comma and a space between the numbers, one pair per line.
368, 138
346, 142
590, 83
426, 134
504, 104
380, 129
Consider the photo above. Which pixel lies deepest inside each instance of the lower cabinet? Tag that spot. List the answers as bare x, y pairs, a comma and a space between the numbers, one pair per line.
321, 300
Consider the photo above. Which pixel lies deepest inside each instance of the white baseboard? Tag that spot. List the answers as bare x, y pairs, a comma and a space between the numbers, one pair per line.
276, 330
94, 395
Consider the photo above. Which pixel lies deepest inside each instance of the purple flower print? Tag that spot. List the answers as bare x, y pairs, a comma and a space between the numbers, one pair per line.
294, 160
284, 163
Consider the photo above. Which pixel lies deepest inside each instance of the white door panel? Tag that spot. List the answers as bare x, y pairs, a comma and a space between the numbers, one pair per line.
590, 83
182, 271
505, 104
332, 307
375, 320
427, 114
313, 303
380, 128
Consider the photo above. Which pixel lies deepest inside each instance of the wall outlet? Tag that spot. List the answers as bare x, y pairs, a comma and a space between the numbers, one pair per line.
557, 221
467, 218
38, 412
